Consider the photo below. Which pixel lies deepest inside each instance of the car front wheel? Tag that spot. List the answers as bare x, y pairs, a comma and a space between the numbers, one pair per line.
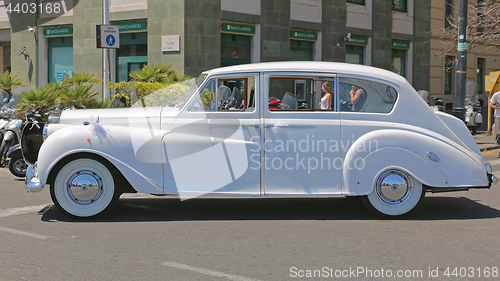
85, 188
395, 193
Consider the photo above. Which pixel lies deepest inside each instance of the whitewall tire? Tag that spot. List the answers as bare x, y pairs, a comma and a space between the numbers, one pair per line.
85, 188
395, 193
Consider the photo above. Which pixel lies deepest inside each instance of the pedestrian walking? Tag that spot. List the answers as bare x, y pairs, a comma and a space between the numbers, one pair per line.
495, 104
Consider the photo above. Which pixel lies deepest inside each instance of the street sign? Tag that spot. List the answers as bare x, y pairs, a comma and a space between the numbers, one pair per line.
108, 36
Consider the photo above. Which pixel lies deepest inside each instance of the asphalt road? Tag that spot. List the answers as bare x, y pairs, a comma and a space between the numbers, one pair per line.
161, 238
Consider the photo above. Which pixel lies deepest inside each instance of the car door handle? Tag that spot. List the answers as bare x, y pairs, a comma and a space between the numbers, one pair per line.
291, 126
246, 126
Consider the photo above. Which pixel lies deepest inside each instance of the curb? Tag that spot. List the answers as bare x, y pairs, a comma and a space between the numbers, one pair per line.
489, 148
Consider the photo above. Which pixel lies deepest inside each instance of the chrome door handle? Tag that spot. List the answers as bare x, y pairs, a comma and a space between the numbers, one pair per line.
246, 126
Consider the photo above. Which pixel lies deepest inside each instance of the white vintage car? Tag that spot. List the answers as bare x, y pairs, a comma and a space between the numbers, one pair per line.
264, 129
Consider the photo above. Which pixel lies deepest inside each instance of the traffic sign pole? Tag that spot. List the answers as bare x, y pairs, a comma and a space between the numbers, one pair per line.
105, 53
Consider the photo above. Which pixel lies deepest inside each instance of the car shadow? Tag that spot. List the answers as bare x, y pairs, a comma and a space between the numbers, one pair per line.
338, 208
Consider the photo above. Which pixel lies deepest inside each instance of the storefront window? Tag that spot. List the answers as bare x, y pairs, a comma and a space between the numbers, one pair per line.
399, 5
60, 56
132, 54
354, 54
399, 62
448, 75
360, 2
235, 49
481, 63
5, 53
301, 50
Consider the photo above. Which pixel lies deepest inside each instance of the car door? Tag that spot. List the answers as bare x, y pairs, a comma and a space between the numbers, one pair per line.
214, 147
302, 149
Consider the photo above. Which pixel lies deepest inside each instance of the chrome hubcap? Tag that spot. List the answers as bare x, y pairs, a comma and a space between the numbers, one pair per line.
394, 186
85, 187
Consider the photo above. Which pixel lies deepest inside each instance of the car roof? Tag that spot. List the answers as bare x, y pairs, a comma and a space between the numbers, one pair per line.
311, 66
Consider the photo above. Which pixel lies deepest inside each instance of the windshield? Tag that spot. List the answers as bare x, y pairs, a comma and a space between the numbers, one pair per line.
175, 95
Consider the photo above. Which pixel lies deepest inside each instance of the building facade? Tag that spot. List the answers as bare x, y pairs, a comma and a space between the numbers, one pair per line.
481, 60
196, 35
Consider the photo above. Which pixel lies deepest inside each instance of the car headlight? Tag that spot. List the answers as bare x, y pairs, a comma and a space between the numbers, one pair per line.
44, 131
55, 117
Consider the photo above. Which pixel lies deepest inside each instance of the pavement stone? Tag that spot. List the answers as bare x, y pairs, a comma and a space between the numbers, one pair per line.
485, 142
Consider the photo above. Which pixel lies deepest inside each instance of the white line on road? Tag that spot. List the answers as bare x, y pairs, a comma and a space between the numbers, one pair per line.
208, 272
24, 233
20, 211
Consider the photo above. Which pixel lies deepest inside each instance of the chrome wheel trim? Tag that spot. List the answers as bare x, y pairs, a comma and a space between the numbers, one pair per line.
20, 166
84, 186
394, 187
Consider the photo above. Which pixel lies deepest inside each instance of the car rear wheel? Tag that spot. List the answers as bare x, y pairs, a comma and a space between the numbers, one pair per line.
395, 193
85, 188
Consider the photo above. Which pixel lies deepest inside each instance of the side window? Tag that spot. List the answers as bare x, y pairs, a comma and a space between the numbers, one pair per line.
227, 94
206, 99
361, 95
297, 93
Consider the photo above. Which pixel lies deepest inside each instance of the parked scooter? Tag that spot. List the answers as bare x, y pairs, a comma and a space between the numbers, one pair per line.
12, 133
17, 166
473, 116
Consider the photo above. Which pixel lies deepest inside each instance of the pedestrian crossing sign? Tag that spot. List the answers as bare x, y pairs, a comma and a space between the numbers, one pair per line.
108, 36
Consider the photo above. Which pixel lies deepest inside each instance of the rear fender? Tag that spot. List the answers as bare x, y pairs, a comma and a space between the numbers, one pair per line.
14, 148
383, 149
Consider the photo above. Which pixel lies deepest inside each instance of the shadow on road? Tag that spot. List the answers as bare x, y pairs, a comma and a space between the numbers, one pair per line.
203, 209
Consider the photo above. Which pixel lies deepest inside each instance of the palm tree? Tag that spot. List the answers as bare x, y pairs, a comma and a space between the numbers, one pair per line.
160, 73
77, 91
39, 99
77, 95
9, 83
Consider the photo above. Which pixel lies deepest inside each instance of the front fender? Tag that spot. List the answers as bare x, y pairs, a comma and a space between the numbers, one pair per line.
135, 152
405, 150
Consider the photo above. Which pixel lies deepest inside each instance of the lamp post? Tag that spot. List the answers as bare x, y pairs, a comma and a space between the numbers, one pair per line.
462, 59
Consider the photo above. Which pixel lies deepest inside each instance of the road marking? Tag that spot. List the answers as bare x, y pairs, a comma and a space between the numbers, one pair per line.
24, 233
208, 272
20, 211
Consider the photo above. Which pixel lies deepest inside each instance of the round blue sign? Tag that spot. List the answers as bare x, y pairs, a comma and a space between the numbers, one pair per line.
110, 40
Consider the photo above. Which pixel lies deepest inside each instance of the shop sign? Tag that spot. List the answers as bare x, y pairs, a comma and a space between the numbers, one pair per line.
171, 43
238, 28
296, 34
400, 45
58, 31
131, 26
357, 40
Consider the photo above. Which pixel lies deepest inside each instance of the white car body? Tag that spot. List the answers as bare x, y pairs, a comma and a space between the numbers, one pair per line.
243, 152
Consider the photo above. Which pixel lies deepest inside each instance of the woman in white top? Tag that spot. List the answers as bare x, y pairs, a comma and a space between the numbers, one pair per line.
326, 100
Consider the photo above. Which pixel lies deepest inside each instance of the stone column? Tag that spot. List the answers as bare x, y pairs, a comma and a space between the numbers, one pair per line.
421, 45
275, 28
334, 30
382, 34
24, 66
86, 56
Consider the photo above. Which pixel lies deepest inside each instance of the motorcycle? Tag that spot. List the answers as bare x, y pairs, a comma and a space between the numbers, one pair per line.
17, 164
473, 116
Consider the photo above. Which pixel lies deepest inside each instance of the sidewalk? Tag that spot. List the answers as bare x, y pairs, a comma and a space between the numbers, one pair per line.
485, 142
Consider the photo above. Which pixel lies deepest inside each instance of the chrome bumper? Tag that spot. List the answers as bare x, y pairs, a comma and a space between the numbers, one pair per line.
491, 178
31, 181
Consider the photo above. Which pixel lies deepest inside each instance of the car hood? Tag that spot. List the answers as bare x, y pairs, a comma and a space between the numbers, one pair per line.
132, 117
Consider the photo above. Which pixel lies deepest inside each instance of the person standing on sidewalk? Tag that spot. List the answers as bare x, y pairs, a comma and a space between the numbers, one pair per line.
495, 104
